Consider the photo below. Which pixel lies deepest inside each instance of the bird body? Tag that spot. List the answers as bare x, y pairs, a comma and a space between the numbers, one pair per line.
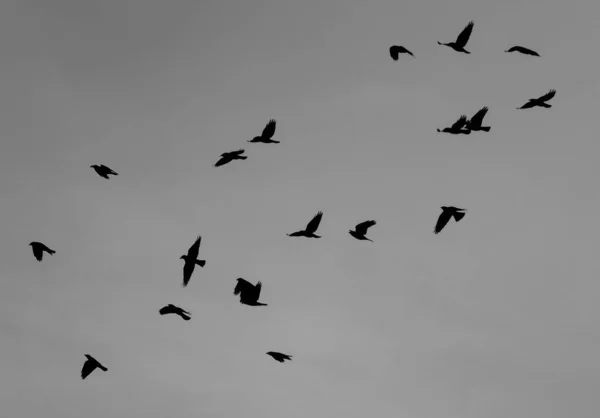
461, 39
249, 293
474, 124
360, 230
458, 127
396, 50
540, 101
191, 261
228, 157
523, 50
39, 249
311, 228
267, 134
103, 171
172, 309
280, 357
90, 365
447, 213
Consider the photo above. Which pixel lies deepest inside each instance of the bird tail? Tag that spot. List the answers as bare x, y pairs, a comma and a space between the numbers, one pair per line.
439, 43
242, 157
102, 368
546, 105
51, 251
458, 216
260, 304
485, 128
185, 317
201, 263
465, 51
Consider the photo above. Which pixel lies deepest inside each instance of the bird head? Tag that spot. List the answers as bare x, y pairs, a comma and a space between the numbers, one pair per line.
88, 356
444, 207
182, 257
94, 165
31, 243
269, 352
256, 138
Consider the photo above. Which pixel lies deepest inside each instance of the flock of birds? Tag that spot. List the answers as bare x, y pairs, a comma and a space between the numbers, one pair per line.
249, 294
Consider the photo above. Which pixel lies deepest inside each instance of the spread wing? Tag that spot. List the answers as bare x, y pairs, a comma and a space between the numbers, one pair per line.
225, 158
269, 130
188, 269
394, 51
88, 367
361, 228
166, 310
547, 96
237, 153
477, 118
107, 169
462, 121
194, 249
313, 225
242, 286
464, 36
37, 252
442, 221
523, 50
257, 290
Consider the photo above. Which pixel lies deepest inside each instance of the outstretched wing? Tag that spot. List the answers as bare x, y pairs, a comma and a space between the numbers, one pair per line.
394, 51
257, 290
442, 221
462, 121
237, 153
547, 96
523, 50
269, 130
361, 228
477, 118
165, 310
108, 170
313, 225
88, 367
37, 252
225, 158
464, 36
242, 286
194, 249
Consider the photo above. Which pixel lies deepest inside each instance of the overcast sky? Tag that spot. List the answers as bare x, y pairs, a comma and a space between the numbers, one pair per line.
495, 317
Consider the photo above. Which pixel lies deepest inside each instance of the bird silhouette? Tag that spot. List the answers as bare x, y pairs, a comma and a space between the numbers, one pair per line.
523, 50
540, 101
396, 50
191, 260
361, 230
228, 157
104, 171
461, 39
172, 309
280, 357
38, 250
267, 134
248, 292
447, 213
458, 127
311, 228
474, 124
90, 365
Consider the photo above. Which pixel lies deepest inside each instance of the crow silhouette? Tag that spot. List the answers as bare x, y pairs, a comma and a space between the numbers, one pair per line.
191, 261
38, 250
280, 357
474, 124
228, 157
396, 50
540, 101
248, 292
447, 213
461, 39
459, 127
523, 50
172, 309
311, 228
103, 171
267, 134
90, 365
361, 230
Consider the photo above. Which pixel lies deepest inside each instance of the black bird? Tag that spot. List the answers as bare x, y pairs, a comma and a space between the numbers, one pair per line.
311, 228
523, 50
280, 357
104, 171
474, 124
361, 230
447, 213
267, 134
540, 101
172, 309
228, 157
90, 365
191, 259
248, 292
461, 39
459, 127
396, 50
38, 250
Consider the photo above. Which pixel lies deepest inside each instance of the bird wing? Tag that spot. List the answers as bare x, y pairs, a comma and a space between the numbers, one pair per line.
257, 290
361, 228
88, 367
242, 286
477, 118
37, 252
313, 225
269, 130
394, 51
188, 269
547, 96
238, 152
442, 221
165, 310
194, 249
107, 169
524, 50
463, 37
462, 121
225, 158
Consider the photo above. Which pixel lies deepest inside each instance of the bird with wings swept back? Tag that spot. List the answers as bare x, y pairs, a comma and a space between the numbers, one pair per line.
447, 213
228, 157
311, 228
267, 134
104, 171
39, 249
280, 357
172, 309
458, 127
90, 365
474, 124
249, 293
540, 101
191, 260
523, 50
360, 230
396, 50
461, 39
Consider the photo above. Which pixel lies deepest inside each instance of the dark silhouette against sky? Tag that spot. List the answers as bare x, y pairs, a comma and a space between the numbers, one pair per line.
360, 230
474, 124
191, 261
396, 50
172, 309
228, 157
267, 134
280, 357
311, 228
447, 213
39, 249
90, 365
458, 127
522, 50
540, 101
103, 171
461, 39
249, 293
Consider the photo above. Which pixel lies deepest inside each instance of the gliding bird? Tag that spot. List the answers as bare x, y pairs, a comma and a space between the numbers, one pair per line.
191, 261
461, 39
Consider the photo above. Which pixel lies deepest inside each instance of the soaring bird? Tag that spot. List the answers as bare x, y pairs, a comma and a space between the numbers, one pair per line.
361, 230
191, 259
459, 127
474, 124
461, 39
280, 357
228, 157
104, 171
447, 213
38, 250
172, 309
396, 50
540, 101
523, 50
267, 134
311, 228
248, 292
90, 365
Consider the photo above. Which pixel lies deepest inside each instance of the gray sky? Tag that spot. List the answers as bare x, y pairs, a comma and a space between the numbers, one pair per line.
495, 317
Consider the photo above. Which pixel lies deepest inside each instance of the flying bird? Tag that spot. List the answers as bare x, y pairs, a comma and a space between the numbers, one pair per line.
104, 171
280, 357
248, 292
228, 157
311, 228
540, 101
172, 309
90, 365
360, 230
396, 50
523, 50
38, 250
459, 127
191, 260
474, 124
267, 134
461, 39
447, 213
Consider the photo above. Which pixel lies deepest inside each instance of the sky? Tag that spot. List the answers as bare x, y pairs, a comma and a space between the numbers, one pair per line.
496, 316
